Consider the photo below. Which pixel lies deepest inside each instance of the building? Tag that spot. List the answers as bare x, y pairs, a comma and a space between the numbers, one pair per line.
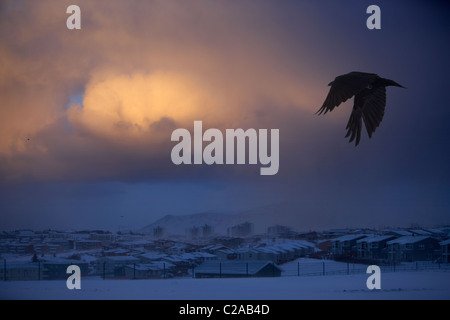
345, 246
207, 230
82, 245
193, 232
226, 254
158, 232
324, 246
242, 230
445, 251
280, 252
373, 247
237, 269
17, 247
412, 248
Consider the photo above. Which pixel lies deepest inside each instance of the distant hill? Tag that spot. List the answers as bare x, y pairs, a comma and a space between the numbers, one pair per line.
261, 217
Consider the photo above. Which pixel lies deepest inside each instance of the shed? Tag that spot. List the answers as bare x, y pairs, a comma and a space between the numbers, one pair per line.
238, 269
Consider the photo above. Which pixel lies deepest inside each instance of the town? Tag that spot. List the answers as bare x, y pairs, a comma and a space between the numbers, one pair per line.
200, 253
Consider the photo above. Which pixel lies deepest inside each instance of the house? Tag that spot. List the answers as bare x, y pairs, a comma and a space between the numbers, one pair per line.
226, 254
345, 246
237, 269
178, 248
182, 263
373, 247
412, 248
271, 253
204, 256
82, 245
151, 257
116, 252
18, 248
445, 251
325, 246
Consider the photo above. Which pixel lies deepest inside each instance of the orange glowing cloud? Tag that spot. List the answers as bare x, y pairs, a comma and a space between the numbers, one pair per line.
122, 106
143, 69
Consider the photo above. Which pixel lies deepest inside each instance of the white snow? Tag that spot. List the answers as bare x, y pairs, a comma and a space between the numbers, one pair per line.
400, 285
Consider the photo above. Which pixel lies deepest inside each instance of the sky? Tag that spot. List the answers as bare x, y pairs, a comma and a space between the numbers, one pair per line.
86, 116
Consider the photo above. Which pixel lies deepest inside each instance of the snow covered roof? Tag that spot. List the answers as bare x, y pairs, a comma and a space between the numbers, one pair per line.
154, 266
235, 267
121, 258
178, 258
349, 237
444, 243
421, 232
227, 251
408, 240
374, 238
203, 255
117, 251
435, 231
399, 232
153, 255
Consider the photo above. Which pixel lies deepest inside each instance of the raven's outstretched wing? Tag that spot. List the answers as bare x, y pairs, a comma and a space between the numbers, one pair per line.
344, 87
373, 110
368, 107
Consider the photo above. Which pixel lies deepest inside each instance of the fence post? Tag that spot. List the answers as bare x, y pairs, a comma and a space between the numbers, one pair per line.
348, 268
4, 269
104, 270
193, 271
39, 270
323, 268
220, 270
164, 270
417, 265
298, 269
247, 269
134, 271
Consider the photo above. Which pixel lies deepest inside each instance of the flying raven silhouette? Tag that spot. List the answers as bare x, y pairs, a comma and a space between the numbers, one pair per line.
370, 100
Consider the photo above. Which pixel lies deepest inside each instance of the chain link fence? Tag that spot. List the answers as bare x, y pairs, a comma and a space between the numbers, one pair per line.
35, 271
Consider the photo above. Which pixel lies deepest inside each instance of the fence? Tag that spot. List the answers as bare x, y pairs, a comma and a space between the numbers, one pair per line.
330, 267
13, 271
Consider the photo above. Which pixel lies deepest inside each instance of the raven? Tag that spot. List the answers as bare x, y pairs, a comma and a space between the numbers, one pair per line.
370, 100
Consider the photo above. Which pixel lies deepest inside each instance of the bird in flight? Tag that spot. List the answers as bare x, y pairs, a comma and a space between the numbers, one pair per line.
369, 91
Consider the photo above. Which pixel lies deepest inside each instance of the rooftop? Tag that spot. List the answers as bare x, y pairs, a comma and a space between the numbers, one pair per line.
350, 237
408, 240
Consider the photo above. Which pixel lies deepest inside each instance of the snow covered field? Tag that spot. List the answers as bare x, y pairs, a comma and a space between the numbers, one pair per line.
433, 284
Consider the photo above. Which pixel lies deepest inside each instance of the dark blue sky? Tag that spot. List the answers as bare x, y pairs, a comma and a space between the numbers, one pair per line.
257, 64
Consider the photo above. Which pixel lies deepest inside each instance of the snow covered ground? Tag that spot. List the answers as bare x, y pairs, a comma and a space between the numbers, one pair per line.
432, 284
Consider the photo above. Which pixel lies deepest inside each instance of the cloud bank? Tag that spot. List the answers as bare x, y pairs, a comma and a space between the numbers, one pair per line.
141, 69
